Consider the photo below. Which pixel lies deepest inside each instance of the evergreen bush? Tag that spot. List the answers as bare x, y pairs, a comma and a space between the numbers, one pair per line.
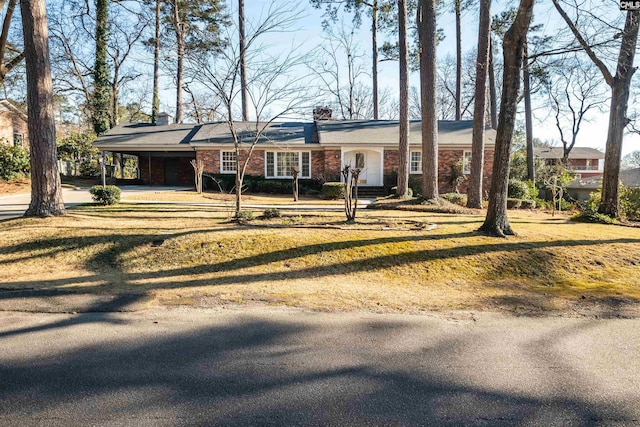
332, 190
108, 195
14, 161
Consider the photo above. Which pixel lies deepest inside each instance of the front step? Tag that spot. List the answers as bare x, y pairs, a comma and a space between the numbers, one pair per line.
371, 192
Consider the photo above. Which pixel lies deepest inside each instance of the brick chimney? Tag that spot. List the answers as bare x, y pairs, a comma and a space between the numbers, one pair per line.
322, 113
164, 119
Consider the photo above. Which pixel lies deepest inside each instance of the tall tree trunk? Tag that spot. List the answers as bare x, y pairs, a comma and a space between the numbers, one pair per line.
101, 71
496, 222
458, 14
113, 115
474, 196
374, 56
620, 87
493, 97
155, 104
46, 193
180, 68
243, 62
528, 115
426, 17
618, 120
403, 146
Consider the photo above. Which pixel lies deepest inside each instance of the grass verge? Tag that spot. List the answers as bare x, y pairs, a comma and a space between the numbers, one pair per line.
186, 256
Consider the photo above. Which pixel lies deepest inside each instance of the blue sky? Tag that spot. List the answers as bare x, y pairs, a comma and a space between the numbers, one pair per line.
309, 32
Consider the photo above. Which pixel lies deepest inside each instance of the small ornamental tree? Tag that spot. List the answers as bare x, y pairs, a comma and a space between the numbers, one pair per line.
275, 86
350, 182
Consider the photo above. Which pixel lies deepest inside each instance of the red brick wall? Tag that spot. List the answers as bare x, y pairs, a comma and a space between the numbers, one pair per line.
391, 161
186, 174
445, 159
318, 160
157, 170
211, 160
332, 165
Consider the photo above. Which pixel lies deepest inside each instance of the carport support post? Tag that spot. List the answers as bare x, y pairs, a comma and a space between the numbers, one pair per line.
103, 172
150, 180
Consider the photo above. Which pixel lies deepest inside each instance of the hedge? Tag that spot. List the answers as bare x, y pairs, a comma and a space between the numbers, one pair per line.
108, 195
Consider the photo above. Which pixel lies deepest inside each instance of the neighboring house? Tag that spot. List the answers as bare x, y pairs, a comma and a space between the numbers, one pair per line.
630, 178
320, 149
13, 125
585, 162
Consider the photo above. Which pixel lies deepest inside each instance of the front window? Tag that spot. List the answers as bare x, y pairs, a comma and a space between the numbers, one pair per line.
228, 162
360, 161
18, 140
280, 164
466, 163
416, 162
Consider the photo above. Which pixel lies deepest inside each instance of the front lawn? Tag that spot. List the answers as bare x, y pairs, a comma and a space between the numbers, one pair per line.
391, 261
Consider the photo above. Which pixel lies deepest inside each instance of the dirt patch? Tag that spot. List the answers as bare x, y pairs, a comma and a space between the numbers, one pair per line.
17, 186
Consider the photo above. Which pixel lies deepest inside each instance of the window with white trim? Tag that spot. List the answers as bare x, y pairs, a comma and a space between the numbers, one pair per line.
280, 163
415, 165
466, 162
227, 162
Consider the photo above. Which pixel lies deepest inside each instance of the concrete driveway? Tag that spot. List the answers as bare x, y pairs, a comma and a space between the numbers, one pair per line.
15, 205
270, 366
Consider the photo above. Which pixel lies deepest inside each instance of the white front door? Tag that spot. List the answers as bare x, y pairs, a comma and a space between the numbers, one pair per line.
369, 162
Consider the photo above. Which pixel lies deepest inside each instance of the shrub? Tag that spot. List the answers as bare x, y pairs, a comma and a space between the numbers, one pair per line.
527, 204
14, 161
532, 190
244, 216
517, 189
271, 213
332, 190
457, 198
513, 203
89, 169
630, 202
589, 215
108, 195
542, 204
415, 183
394, 191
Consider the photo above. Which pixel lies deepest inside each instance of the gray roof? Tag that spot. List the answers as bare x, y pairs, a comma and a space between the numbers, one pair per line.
386, 132
630, 177
145, 136
575, 153
274, 133
592, 183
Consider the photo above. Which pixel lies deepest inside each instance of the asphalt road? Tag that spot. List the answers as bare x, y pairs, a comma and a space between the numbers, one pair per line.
15, 205
273, 366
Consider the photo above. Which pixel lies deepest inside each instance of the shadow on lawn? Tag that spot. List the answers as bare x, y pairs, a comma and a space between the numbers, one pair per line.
259, 371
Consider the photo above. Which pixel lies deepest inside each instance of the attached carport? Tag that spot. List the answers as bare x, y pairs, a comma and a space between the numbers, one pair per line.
163, 152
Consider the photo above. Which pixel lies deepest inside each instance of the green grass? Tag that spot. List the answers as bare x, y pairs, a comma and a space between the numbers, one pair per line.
181, 255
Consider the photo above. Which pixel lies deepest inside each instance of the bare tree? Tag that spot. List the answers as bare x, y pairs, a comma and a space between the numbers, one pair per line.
10, 57
195, 26
496, 222
275, 85
474, 199
340, 85
125, 35
357, 7
426, 21
619, 83
403, 144
46, 193
574, 90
